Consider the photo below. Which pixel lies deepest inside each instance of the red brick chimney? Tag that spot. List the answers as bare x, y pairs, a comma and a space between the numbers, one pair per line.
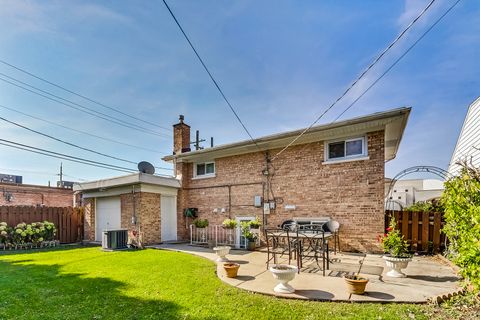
181, 137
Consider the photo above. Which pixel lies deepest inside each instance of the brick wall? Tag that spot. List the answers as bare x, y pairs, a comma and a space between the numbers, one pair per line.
31, 195
89, 219
349, 192
147, 207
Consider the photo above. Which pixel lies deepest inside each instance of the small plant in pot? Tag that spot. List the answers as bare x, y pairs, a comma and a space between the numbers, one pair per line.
255, 224
200, 223
229, 224
396, 247
249, 236
356, 284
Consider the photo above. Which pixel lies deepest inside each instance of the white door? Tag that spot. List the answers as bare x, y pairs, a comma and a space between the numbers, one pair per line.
107, 215
168, 221
241, 241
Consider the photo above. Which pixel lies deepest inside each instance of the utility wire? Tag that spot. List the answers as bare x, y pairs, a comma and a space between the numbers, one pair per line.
392, 65
81, 108
80, 95
375, 61
398, 60
210, 74
18, 146
74, 145
80, 131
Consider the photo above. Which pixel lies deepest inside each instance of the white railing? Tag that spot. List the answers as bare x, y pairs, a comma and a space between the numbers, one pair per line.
218, 235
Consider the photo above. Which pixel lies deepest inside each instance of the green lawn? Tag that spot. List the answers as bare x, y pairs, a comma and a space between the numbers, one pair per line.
86, 283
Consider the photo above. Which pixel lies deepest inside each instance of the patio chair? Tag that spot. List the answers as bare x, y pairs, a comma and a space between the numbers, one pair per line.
278, 242
334, 227
311, 243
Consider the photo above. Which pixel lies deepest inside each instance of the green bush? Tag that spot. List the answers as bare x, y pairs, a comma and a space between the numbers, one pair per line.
200, 223
23, 233
461, 200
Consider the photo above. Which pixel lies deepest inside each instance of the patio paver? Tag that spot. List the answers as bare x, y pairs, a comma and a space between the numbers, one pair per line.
427, 277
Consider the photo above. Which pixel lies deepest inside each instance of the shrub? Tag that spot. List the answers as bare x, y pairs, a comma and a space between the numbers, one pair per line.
23, 233
200, 223
461, 200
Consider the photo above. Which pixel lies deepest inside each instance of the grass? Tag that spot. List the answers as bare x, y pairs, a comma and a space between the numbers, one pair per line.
87, 283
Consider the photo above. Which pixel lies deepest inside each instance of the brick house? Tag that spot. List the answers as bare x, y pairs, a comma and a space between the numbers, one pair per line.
334, 170
16, 194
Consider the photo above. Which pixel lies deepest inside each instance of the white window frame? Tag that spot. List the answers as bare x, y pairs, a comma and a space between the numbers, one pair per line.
206, 175
356, 157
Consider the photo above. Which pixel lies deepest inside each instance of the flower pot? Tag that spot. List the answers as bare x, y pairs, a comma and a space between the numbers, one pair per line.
251, 245
231, 269
356, 284
396, 264
221, 252
284, 273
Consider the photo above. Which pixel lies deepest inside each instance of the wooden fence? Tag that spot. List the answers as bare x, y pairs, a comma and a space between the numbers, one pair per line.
422, 230
67, 220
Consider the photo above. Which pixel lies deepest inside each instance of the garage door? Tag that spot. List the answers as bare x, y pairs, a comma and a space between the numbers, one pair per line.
107, 215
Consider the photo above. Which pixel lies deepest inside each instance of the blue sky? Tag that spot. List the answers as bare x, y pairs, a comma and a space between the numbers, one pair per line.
281, 63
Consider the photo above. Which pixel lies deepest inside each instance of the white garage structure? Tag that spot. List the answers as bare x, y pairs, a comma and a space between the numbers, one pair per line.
138, 201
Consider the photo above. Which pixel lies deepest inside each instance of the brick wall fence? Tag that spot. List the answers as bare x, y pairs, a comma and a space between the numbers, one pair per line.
32, 195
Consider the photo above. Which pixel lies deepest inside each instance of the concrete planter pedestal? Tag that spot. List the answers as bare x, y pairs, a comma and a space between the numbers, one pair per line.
284, 273
396, 265
221, 252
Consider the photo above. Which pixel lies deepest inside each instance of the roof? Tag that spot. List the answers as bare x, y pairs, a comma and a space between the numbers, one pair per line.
392, 121
131, 179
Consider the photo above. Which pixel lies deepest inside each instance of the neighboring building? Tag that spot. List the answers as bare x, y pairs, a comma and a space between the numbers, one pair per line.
334, 170
405, 193
468, 143
15, 194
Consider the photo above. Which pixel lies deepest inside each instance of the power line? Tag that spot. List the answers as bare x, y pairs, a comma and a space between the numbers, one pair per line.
210, 75
81, 108
393, 64
398, 59
72, 144
81, 96
67, 158
82, 132
370, 66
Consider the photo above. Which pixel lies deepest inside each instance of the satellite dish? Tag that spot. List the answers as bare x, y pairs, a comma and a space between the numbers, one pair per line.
146, 167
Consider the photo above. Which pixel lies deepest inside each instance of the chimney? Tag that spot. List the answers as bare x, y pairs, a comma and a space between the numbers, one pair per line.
181, 136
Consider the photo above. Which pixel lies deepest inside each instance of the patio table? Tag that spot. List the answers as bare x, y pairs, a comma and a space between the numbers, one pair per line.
306, 243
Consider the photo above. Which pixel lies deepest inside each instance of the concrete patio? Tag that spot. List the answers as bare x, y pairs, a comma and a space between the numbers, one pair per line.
428, 277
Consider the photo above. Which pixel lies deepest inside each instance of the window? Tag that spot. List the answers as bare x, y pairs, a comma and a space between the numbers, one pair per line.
206, 169
346, 149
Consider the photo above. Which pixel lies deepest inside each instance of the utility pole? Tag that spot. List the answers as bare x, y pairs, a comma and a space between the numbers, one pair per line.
197, 141
61, 173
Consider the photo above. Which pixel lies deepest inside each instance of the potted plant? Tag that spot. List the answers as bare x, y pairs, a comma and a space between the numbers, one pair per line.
249, 236
255, 224
201, 224
284, 273
396, 247
231, 269
229, 224
356, 284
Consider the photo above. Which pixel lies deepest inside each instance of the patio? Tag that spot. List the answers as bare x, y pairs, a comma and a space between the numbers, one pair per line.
428, 277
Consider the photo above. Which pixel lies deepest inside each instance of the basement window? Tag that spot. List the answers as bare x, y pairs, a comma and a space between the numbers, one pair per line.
346, 149
204, 170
